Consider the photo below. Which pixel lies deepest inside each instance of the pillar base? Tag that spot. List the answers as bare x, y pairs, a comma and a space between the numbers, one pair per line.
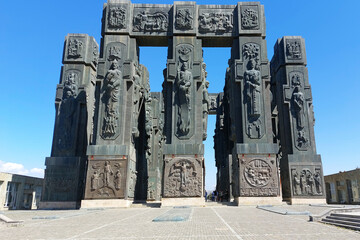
176, 202
241, 201
58, 205
306, 201
106, 203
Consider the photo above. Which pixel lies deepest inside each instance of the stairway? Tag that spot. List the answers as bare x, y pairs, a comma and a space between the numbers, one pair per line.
346, 220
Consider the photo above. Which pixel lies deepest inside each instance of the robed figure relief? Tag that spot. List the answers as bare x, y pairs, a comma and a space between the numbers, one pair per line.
67, 111
253, 81
111, 95
183, 80
298, 101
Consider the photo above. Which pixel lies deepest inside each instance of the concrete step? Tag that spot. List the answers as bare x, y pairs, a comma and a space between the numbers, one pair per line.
342, 225
339, 221
344, 218
354, 216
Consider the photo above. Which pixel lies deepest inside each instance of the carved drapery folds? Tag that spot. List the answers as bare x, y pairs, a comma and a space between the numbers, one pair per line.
249, 18
298, 107
184, 19
184, 88
117, 18
68, 109
183, 178
253, 91
218, 22
306, 181
145, 21
111, 95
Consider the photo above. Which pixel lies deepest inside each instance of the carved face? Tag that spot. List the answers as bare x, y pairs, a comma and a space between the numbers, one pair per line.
114, 65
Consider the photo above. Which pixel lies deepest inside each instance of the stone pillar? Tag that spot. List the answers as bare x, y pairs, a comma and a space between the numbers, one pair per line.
122, 89
74, 103
301, 168
183, 97
255, 178
154, 145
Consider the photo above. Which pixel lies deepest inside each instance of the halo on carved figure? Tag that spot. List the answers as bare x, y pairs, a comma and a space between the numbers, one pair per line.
257, 173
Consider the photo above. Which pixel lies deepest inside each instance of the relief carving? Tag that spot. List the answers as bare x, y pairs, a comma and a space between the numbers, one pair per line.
253, 88
75, 48
183, 179
67, 110
258, 173
184, 79
205, 101
151, 22
293, 49
111, 96
249, 19
298, 111
218, 22
117, 18
306, 182
184, 19
105, 179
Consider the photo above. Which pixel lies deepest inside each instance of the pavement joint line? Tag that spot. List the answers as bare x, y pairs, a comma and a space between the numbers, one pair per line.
227, 225
106, 225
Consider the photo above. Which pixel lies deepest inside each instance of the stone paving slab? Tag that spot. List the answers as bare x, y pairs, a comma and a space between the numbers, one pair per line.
227, 222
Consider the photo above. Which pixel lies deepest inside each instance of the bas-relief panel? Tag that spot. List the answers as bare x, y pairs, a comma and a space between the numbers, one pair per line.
183, 177
253, 91
307, 181
150, 19
184, 18
218, 21
258, 177
250, 18
106, 179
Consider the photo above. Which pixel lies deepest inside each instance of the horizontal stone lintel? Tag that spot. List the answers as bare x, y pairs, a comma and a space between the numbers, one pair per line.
185, 149
257, 148
106, 150
62, 161
304, 159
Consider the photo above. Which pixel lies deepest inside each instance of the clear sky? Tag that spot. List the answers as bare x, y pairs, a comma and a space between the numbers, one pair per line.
31, 45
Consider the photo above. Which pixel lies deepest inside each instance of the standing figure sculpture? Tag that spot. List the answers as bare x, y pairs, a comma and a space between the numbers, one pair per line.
107, 173
298, 100
205, 108
184, 79
67, 110
112, 83
253, 82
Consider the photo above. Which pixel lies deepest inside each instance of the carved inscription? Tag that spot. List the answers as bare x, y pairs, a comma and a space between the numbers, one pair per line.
249, 18
150, 22
307, 182
184, 180
218, 22
293, 49
75, 48
184, 79
117, 18
184, 19
253, 88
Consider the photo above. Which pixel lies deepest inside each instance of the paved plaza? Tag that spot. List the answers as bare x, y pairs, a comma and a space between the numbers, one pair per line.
210, 222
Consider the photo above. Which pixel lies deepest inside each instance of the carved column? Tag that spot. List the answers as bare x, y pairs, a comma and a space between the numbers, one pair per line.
301, 167
183, 98
74, 103
255, 178
122, 90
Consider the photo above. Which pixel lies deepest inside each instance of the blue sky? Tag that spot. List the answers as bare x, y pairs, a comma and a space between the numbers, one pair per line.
31, 45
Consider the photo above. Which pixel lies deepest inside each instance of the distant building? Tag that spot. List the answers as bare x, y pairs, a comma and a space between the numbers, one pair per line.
19, 192
343, 187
